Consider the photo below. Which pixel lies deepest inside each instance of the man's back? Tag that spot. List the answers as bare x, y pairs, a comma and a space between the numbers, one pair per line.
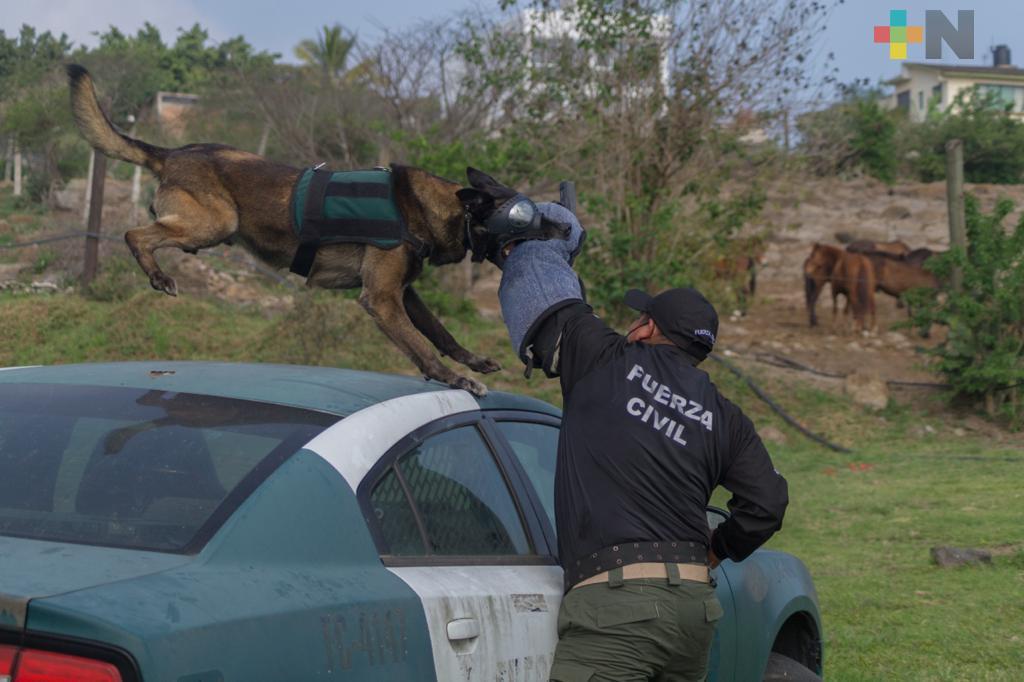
645, 439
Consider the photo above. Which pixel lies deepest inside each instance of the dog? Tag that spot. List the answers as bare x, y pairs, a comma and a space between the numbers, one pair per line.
212, 194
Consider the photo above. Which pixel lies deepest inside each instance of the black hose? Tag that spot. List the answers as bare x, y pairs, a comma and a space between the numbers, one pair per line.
778, 410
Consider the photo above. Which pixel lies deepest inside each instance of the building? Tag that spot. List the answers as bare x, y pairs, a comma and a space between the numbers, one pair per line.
920, 84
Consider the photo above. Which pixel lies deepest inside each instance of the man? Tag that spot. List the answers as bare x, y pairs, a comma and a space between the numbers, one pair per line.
645, 439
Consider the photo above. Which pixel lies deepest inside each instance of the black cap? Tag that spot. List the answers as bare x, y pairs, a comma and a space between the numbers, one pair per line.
683, 314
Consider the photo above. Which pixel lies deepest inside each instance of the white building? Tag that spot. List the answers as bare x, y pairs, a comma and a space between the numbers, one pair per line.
919, 84
547, 28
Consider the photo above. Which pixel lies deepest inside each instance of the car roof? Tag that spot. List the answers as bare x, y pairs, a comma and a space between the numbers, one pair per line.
326, 389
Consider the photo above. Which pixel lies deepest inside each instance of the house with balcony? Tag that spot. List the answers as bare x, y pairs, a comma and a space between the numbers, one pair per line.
921, 83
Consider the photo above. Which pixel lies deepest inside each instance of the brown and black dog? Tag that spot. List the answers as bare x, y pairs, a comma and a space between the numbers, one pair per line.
211, 194
850, 274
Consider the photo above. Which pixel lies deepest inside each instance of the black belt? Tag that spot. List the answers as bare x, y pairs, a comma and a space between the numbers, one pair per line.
670, 551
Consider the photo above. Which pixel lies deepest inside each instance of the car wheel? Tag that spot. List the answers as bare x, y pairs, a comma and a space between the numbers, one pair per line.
784, 668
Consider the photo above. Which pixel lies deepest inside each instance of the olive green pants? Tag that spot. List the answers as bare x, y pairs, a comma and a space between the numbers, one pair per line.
645, 629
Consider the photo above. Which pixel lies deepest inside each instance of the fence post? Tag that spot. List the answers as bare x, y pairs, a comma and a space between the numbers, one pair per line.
17, 169
955, 201
92, 242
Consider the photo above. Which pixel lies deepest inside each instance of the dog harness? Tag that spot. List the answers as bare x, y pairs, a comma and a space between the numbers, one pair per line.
336, 207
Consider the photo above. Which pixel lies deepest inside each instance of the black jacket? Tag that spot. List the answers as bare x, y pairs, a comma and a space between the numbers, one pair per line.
646, 437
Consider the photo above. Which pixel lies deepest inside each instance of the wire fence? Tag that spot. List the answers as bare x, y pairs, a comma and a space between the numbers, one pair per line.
79, 234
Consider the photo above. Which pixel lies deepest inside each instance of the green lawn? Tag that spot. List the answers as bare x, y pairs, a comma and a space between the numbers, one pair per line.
863, 523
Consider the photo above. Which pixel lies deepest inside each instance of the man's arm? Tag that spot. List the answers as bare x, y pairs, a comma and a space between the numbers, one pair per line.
760, 496
549, 324
571, 341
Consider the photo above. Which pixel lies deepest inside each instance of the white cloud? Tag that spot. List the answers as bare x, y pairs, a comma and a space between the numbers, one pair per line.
79, 19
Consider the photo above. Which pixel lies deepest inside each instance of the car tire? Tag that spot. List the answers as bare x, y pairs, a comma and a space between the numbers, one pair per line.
784, 668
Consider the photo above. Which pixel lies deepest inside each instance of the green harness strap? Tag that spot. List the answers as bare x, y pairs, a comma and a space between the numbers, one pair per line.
333, 207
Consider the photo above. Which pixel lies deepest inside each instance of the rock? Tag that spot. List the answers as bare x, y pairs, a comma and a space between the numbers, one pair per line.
960, 433
45, 287
947, 557
896, 212
867, 389
67, 199
773, 435
10, 270
896, 340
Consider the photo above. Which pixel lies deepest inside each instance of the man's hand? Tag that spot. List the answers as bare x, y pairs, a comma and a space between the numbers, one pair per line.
713, 559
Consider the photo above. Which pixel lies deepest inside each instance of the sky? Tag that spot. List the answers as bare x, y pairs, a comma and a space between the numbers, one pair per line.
278, 26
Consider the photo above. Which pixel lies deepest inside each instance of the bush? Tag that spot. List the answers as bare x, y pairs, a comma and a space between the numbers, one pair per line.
983, 354
993, 140
856, 133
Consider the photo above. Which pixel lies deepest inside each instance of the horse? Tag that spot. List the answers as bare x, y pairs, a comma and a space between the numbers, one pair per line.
893, 248
849, 274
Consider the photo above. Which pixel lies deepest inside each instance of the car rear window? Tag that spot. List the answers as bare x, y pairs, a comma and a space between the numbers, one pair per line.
136, 468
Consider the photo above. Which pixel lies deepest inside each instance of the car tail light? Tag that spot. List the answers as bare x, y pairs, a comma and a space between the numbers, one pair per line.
7, 655
33, 665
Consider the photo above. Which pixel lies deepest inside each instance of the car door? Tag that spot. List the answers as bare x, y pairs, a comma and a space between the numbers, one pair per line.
460, 528
532, 440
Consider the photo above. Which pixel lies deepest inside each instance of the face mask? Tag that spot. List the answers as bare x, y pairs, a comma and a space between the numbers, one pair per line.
517, 218
637, 326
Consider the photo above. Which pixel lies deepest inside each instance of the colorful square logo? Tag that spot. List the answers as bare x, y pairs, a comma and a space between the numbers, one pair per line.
898, 34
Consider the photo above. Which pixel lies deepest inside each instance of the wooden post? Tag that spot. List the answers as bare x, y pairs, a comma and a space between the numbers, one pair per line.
92, 243
955, 201
17, 169
264, 137
785, 130
88, 187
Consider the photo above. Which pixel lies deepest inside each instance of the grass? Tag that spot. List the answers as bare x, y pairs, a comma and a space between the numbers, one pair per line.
863, 523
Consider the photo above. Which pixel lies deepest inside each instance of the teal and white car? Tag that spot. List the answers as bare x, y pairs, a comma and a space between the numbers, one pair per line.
204, 522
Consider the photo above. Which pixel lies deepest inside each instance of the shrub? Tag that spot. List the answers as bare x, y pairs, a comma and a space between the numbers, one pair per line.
993, 140
983, 354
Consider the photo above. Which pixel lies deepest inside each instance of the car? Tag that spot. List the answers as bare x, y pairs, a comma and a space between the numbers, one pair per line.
202, 521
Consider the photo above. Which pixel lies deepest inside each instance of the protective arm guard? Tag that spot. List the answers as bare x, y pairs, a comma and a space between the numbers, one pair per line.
538, 276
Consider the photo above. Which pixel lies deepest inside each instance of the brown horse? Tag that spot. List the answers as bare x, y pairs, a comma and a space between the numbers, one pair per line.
866, 246
849, 274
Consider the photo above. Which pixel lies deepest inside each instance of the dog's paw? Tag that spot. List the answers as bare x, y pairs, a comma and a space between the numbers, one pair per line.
482, 365
162, 282
471, 385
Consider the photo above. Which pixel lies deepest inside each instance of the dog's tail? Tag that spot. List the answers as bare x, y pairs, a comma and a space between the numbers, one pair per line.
100, 132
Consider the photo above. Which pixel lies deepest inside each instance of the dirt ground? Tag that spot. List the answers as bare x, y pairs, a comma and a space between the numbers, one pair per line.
776, 323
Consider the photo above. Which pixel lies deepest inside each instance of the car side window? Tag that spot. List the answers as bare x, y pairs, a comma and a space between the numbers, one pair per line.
536, 447
460, 496
396, 519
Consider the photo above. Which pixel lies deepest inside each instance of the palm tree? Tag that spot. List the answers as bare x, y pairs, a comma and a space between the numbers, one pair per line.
329, 51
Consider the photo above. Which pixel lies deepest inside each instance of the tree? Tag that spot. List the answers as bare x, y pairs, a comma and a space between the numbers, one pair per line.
329, 52
983, 354
631, 100
29, 110
993, 139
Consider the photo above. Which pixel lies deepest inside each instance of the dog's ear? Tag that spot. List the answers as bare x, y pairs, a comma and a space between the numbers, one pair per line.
480, 180
473, 199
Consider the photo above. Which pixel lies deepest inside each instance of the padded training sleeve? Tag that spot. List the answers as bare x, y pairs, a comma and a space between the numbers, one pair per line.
537, 276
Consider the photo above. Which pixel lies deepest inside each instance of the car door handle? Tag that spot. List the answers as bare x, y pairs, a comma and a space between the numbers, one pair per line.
463, 628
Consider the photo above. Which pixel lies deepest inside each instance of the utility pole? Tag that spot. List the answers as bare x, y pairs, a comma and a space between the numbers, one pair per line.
955, 201
92, 241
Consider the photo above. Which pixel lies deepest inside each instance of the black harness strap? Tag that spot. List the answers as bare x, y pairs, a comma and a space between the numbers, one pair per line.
312, 217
